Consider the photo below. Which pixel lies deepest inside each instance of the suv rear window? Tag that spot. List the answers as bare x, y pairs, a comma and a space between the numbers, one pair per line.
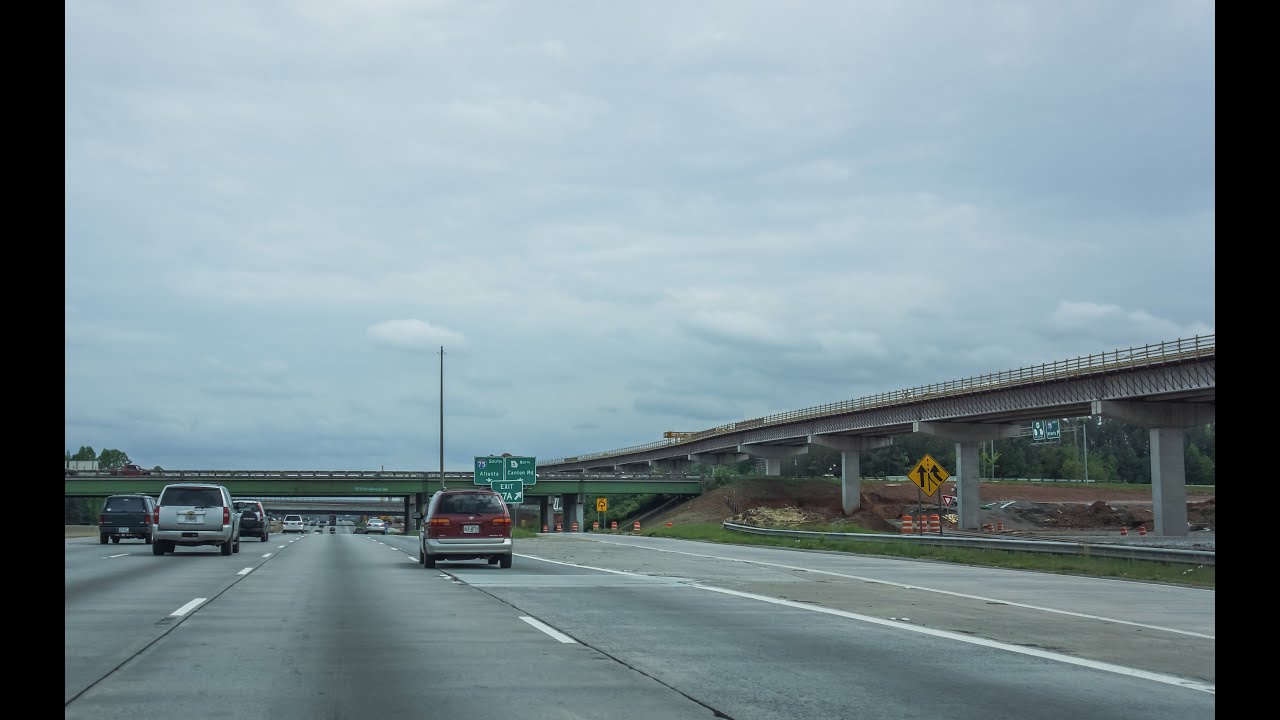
125, 504
470, 504
198, 497
292, 518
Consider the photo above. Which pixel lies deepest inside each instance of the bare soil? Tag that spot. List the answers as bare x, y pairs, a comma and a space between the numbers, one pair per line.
1016, 507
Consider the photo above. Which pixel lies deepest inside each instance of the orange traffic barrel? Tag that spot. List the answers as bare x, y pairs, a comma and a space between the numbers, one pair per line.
1000, 526
595, 524
613, 525
1123, 531
906, 525
1142, 529
636, 526
559, 527
668, 523
544, 528
935, 523
575, 526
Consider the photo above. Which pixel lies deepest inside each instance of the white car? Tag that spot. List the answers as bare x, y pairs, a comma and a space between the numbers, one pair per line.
376, 526
293, 523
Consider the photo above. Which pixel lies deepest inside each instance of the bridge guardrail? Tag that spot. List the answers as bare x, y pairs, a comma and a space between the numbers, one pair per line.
1171, 555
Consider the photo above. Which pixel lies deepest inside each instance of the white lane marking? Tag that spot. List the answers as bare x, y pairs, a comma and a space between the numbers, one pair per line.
549, 630
952, 593
115, 556
267, 555
245, 571
1181, 682
187, 608
1106, 667
281, 547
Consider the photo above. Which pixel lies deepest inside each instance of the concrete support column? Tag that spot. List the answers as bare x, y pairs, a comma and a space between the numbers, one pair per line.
772, 466
851, 449
545, 512
577, 511
968, 496
850, 489
1169, 481
408, 521
420, 508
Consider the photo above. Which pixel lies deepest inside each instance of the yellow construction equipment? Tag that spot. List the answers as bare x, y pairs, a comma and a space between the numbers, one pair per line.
676, 435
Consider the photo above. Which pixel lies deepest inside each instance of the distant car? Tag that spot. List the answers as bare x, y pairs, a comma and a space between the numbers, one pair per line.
253, 519
293, 523
466, 525
195, 514
126, 516
130, 470
376, 526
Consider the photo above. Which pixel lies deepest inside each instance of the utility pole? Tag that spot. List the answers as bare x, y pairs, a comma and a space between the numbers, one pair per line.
441, 417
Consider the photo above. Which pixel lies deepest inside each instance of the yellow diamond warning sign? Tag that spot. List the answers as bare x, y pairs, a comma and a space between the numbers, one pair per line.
928, 475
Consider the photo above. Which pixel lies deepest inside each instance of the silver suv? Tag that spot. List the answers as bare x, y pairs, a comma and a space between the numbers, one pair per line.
192, 514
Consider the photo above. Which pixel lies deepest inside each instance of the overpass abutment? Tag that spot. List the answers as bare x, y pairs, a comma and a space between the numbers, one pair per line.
546, 512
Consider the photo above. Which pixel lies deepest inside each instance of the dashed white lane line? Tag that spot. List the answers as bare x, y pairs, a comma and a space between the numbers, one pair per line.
549, 630
116, 556
245, 571
187, 608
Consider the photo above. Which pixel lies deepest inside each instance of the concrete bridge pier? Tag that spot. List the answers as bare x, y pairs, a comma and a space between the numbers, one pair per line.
851, 449
1167, 423
572, 504
967, 437
773, 455
546, 513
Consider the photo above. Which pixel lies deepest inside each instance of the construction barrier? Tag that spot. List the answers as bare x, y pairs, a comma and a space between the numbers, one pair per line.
906, 525
613, 525
935, 524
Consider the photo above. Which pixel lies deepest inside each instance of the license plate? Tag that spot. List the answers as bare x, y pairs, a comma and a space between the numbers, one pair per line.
122, 530
470, 528
190, 518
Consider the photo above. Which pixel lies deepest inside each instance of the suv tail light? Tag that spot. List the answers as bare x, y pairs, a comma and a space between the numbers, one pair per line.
226, 515
101, 518
155, 516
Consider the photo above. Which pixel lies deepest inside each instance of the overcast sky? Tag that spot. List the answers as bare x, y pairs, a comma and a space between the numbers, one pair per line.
617, 218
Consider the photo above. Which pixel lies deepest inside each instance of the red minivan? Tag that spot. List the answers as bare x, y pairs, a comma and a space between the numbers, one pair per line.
466, 525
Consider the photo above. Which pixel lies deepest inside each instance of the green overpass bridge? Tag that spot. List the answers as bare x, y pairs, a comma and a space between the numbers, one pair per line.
575, 490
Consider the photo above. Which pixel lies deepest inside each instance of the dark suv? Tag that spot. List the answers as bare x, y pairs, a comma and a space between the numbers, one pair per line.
466, 525
253, 519
126, 516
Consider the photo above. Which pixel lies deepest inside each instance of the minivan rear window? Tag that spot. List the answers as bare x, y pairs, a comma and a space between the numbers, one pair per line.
198, 497
125, 504
470, 504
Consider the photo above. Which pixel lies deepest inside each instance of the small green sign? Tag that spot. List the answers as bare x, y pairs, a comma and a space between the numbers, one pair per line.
524, 469
512, 491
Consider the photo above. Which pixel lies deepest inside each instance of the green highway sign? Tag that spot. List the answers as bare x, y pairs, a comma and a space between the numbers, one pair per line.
524, 469
512, 491
490, 469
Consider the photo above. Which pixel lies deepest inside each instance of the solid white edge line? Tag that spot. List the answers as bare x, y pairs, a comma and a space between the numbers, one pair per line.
1106, 667
906, 586
245, 571
187, 608
549, 630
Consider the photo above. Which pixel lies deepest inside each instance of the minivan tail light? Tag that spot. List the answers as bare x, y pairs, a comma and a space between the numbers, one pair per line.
439, 522
226, 515
502, 521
